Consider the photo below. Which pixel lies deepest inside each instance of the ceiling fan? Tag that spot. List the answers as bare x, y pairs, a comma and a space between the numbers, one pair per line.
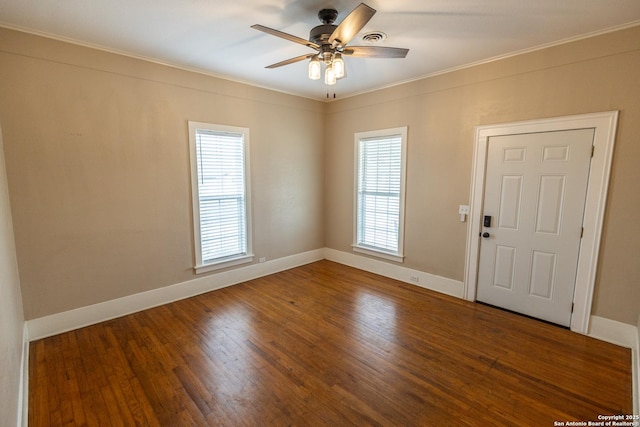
330, 43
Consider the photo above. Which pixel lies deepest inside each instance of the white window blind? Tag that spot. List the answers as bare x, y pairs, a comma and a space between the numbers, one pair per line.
379, 193
221, 183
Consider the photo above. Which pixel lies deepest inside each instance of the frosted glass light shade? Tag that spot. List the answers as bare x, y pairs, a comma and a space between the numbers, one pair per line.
329, 76
315, 69
338, 66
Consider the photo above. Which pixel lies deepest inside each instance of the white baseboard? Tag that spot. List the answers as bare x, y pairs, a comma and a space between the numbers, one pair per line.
425, 280
23, 389
84, 316
623, 335
614, 332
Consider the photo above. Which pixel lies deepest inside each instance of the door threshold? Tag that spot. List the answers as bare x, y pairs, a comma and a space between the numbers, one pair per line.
523, 315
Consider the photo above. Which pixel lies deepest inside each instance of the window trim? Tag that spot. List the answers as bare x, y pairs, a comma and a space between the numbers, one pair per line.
224, 262
397, 256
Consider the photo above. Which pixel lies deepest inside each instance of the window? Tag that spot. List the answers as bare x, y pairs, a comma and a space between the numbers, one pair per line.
379, 194
220, 182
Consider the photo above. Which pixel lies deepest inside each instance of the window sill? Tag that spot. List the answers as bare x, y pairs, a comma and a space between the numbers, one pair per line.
378, 253
219, 265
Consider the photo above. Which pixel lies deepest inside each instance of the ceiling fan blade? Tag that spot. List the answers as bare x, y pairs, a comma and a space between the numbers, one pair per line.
352, 24
286, 36
375, 52
292, 60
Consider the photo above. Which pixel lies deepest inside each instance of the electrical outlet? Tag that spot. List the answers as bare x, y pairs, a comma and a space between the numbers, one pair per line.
262, 259
415, 279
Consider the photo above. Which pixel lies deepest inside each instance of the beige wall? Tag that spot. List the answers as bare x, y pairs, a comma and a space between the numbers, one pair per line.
97, 162
98, 169
11, 317
592, 75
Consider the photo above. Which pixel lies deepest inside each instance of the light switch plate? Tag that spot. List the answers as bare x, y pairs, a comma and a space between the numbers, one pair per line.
463, 210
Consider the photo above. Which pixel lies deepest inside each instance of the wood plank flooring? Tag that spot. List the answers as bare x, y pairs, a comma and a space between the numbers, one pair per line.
325, 344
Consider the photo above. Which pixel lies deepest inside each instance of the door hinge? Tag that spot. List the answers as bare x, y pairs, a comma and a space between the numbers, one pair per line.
582, 232
572, 304
593, 149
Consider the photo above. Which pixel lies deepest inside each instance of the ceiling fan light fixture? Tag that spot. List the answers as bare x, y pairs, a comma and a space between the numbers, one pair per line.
315, 69
329, 41
338, 65
329, 76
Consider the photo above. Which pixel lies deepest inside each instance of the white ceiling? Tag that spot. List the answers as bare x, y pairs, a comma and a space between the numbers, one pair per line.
215, 36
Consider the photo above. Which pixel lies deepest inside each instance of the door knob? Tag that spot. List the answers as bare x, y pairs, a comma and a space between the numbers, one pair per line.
486, 235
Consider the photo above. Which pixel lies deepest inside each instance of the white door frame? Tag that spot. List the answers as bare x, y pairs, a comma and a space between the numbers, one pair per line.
604, 137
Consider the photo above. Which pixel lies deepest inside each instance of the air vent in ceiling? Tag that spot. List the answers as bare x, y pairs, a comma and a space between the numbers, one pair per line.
374, 37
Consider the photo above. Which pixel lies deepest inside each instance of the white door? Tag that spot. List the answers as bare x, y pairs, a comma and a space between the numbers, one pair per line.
535, 192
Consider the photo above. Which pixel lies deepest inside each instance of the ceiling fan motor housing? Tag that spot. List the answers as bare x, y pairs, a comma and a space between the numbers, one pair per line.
320, 34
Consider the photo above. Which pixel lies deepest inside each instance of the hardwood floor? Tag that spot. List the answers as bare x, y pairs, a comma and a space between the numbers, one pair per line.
325, 344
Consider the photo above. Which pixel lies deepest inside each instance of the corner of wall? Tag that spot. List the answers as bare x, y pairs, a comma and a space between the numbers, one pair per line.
23, 390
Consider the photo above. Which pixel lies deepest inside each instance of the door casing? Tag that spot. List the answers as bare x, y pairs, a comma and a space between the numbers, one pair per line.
604, 124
